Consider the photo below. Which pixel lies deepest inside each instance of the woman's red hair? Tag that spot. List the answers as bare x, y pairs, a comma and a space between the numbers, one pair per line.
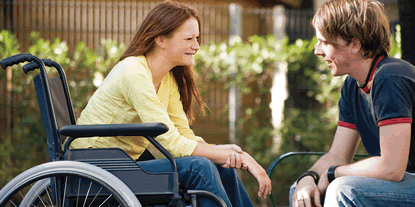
163, 20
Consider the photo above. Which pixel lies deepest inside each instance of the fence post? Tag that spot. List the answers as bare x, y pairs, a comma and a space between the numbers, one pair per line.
235, 12
279, 92
9, 111
278, 15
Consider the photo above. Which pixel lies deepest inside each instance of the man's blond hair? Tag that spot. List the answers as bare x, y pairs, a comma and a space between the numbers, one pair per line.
363, 20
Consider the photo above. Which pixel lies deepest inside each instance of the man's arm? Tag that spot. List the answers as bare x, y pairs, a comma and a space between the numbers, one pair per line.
342, 150
391, 165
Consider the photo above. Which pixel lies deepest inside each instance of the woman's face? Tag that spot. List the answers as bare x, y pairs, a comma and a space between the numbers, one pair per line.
182, 45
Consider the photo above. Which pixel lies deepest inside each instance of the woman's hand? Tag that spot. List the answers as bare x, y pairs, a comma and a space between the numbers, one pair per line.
235, 159
259, 173
305, 191
230, 146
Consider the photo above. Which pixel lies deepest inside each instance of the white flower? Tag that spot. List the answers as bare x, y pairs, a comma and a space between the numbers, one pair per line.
223, 47
299, 42
98, 78
265, 53
58, 51
113, 50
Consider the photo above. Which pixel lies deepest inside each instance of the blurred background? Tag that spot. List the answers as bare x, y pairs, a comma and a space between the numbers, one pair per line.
257, 72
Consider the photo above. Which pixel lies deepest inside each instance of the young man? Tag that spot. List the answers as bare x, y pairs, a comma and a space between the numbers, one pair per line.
376, 106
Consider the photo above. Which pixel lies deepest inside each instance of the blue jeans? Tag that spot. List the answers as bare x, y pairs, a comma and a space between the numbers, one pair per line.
199, 173
363, 191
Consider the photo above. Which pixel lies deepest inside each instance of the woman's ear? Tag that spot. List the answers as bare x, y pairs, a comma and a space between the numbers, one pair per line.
160, 41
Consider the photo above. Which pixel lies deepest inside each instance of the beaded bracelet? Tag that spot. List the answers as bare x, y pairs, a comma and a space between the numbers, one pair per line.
311, 173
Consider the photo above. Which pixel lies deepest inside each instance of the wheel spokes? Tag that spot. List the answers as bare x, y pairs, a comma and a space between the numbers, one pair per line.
105, 200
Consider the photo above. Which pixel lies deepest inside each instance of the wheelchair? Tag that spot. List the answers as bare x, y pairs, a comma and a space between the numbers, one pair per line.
90, 177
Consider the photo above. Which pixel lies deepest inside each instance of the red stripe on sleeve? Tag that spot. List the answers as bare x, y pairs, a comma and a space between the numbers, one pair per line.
345, 124
394, 121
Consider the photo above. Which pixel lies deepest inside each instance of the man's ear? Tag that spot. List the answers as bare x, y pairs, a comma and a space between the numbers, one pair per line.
160, 41
355, 45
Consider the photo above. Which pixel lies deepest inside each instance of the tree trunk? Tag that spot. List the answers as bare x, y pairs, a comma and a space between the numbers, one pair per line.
406, 16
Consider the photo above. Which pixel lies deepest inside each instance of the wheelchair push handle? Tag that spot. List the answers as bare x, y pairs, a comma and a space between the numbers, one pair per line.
33, 66
15, 59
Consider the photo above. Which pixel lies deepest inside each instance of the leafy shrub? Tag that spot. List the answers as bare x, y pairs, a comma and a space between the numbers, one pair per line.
23, 146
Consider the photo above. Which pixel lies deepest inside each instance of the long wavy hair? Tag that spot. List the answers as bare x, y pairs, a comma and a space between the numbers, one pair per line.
163, 20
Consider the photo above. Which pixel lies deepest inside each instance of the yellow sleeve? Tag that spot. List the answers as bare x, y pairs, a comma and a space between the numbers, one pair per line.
138, 89
177, 114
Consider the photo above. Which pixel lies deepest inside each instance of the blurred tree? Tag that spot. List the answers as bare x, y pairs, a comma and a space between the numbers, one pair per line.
406, 18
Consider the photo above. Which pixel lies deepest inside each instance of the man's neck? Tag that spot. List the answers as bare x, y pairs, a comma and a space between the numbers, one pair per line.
360, 70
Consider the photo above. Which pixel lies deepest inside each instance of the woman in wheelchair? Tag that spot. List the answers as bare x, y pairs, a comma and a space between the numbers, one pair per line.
154, 82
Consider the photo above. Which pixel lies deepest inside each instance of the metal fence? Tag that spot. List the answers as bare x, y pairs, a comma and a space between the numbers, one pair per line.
261, 22
91, 21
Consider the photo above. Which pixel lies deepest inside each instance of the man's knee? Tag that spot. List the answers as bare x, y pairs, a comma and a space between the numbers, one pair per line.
341, 190
291, 193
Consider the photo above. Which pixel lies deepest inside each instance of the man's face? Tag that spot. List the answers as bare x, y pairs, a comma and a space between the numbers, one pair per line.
338, 59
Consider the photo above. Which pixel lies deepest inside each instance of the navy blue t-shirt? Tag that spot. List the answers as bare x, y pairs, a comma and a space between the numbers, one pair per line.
389, 99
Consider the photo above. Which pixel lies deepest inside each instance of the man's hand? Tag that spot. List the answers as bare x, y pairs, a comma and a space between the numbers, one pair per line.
305, 191
235, 159
259, 173
323, 183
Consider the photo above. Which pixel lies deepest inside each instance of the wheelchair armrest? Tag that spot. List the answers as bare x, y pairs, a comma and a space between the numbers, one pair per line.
147, 130
112, 130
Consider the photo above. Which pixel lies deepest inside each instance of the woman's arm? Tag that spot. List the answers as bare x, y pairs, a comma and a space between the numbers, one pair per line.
219, 156
177, 114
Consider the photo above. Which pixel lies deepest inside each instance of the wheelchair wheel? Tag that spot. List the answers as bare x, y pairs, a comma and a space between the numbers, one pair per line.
67, 183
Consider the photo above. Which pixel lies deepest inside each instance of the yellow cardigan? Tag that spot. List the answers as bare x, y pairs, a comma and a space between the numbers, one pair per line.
128, 95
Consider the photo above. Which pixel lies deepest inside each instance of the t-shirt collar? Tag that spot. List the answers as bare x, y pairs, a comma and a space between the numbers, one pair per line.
369, 79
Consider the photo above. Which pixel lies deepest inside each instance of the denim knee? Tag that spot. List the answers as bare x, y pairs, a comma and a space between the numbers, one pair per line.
201, 164
341, 192
291, 193
226, 172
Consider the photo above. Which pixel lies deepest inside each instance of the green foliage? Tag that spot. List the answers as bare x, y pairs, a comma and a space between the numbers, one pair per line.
85, 70
249, 66
8, 44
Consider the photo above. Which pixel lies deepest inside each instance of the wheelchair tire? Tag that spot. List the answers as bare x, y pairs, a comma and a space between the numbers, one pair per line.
33, 187
35, 192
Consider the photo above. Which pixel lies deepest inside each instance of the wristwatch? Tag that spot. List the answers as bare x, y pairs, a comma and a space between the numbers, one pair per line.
330, 173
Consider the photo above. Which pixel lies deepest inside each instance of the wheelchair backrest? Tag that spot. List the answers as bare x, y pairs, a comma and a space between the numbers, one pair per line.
62, 107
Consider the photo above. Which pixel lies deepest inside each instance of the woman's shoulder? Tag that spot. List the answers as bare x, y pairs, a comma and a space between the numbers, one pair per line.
134, 64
